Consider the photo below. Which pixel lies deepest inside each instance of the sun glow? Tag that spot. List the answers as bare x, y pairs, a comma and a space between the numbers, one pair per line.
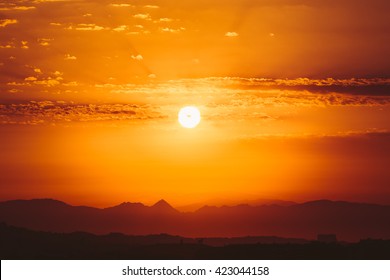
189, 116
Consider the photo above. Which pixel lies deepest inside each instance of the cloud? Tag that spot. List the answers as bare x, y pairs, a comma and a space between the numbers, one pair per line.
5, 22
172, 30
122, 5
166, 19
133, 33
44, 41
17, 8
24, 44
151, 7
137, 57
245, 93
231, 34
47, 1
41, 112
86, 27
228, 99
49, 82
120, 28
14, 90
359, 86
7, 46
30, 79
198, 18
71, 84
142, 16
70, 57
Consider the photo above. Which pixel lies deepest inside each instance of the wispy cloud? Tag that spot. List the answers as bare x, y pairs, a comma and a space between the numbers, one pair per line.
248, 96
70, 57
44, 41
38, 80
7, 46
46, 112
371, 86
172, 30
231, 34
151, 7
142, 16
48, 1
122, 5
86, 27
137, 57
121, 28
166, 19
7, 21
24, 45
16, 8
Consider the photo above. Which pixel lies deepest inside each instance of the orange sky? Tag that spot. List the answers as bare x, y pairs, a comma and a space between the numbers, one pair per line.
294, 97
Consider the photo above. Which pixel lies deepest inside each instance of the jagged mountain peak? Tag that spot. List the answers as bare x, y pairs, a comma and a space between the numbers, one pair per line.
163, 205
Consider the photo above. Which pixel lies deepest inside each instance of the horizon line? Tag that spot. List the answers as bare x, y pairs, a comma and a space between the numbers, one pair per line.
272, 202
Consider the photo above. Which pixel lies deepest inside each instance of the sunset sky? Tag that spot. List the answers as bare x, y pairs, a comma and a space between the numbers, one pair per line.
294, 98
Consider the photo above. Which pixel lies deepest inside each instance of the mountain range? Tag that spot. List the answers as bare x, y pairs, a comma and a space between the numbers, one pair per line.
349, 221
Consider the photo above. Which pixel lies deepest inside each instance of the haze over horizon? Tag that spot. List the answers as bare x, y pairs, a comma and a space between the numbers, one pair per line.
197, 205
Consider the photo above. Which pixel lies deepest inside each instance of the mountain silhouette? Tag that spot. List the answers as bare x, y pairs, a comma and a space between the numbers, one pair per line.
349, 221
163, 206
256, 202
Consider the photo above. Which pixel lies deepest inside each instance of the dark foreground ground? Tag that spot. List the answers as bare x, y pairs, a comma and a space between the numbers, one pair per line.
18, 243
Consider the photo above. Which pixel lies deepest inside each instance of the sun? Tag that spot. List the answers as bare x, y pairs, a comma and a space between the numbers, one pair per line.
189, 116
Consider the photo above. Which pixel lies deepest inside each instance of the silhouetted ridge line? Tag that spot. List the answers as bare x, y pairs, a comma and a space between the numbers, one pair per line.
37, 201
127, 205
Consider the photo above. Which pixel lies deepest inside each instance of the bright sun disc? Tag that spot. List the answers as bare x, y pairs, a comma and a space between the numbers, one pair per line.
189, 117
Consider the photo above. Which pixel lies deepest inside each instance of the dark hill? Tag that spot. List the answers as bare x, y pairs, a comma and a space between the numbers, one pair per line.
17, 243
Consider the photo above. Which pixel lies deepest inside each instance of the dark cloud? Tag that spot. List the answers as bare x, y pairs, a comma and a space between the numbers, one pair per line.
48, 112
359, 86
